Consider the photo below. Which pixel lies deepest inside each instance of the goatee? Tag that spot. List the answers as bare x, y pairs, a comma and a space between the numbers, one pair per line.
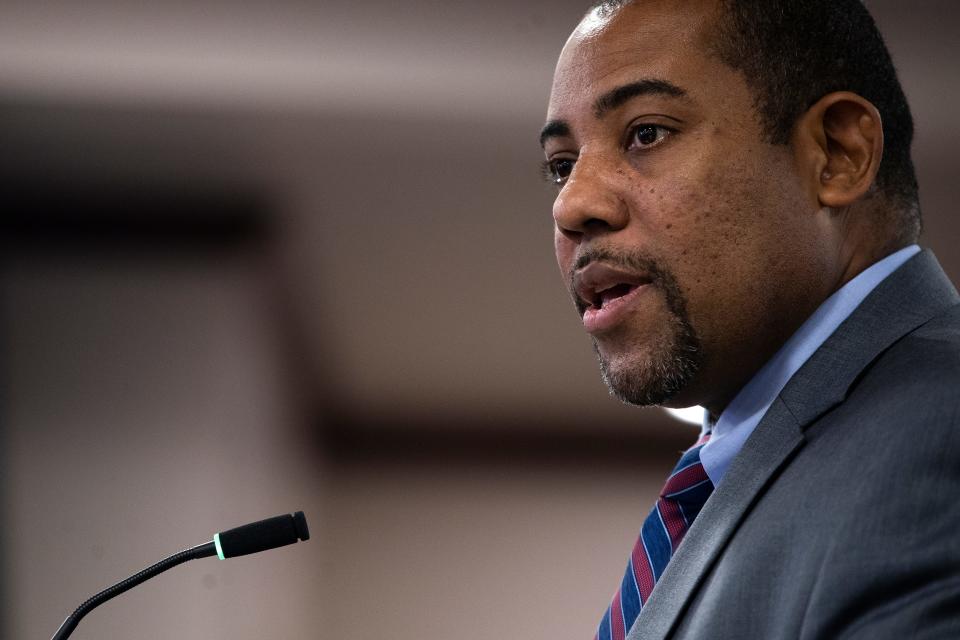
674, 361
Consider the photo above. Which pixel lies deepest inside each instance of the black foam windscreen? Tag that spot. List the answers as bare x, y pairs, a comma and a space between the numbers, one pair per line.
265, 534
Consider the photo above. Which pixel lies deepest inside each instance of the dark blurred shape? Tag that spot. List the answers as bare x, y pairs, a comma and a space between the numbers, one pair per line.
475, 442
85, 218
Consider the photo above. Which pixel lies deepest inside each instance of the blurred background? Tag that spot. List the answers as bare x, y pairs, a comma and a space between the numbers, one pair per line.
260, 257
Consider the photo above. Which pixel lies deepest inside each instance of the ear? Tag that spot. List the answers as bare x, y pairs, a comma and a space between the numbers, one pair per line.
840, 143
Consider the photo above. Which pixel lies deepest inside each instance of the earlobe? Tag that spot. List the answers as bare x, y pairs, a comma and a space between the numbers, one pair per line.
843, 136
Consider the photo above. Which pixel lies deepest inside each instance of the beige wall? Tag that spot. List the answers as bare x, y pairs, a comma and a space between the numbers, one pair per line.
146, 411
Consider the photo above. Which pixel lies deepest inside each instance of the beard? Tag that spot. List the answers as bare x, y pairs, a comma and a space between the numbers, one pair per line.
673, 361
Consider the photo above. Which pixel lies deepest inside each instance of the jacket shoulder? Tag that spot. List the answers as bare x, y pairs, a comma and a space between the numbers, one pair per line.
922, 367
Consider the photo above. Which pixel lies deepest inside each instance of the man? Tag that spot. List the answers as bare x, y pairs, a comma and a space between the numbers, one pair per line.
736, 219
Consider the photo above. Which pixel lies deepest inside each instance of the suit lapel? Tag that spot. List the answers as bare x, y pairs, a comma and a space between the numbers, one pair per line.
909, 297
764, 452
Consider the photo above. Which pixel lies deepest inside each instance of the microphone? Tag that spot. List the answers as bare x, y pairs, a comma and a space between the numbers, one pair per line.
250, 538
260, 536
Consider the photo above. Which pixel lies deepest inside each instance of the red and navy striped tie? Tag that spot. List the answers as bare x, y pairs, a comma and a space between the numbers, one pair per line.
681, 499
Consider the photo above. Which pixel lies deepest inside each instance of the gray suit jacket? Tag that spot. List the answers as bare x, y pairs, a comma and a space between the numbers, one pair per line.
840, 518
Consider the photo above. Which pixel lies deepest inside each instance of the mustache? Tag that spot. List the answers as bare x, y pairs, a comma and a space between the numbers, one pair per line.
635, 261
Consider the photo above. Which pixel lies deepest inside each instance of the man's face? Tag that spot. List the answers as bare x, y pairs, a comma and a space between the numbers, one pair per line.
690, 244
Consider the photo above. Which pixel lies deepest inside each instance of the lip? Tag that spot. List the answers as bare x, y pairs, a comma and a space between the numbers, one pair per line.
596, 283
603, 319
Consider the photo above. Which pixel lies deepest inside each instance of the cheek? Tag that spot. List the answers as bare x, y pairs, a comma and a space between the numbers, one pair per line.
704, 222
744, 229
682, 221
713, 213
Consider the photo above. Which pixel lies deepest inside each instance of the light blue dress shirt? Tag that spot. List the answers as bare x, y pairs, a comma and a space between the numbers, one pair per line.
745, 411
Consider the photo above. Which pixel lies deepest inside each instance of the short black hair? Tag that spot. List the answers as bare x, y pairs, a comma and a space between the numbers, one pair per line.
794, 52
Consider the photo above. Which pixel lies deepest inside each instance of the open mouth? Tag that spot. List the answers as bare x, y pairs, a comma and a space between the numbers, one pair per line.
602, 298
604, 293
598, 285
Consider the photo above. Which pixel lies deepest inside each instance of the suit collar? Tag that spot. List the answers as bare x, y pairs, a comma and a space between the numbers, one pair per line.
909, 297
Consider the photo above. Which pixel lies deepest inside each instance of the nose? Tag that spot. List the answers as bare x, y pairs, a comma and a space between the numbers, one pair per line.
591, 201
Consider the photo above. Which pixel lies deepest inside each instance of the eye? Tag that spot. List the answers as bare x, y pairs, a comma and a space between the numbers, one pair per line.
558, 170
644, 136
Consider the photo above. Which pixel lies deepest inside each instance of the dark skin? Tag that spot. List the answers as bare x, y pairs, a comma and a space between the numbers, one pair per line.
658, 153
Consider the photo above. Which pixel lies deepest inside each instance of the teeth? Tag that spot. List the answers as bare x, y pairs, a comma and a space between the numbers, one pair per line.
612, 293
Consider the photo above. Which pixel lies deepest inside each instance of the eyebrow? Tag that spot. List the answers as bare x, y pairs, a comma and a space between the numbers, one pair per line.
554, 129
617, 97
613, 99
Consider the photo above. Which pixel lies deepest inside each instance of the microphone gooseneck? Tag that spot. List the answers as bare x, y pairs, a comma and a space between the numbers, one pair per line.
250, 538
200, 551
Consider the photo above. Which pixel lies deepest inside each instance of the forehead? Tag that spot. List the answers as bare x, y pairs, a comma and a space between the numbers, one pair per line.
662, 39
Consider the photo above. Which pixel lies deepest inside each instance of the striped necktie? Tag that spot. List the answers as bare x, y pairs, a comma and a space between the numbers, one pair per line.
681, 499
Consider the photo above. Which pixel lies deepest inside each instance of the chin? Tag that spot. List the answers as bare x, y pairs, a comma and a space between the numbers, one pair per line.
653, 377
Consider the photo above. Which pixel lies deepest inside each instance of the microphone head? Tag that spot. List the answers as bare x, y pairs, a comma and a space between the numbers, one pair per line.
259, 536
